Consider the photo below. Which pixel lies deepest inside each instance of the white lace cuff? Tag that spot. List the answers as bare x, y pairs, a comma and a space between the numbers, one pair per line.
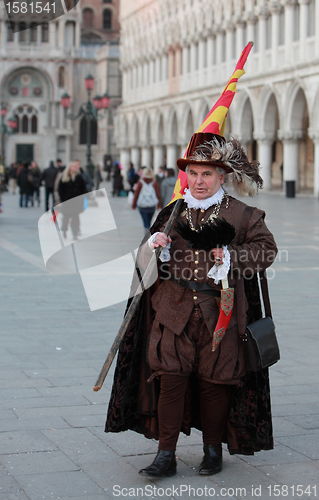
150, 241
220, 272
165, 253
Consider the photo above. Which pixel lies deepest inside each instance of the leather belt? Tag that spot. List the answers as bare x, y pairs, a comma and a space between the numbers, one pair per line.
194, 285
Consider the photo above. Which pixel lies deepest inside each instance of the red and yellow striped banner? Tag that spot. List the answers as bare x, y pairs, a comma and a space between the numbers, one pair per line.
215, 121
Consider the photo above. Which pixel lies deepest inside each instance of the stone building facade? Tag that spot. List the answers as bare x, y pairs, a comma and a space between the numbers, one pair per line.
37, 66
176, 58
100, 21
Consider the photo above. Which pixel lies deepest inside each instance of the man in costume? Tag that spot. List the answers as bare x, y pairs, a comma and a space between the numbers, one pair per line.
182, 363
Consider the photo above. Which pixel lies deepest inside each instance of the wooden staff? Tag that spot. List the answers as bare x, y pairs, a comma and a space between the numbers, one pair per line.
136, 299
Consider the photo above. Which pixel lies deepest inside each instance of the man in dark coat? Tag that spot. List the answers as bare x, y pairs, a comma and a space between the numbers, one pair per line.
169, 377
48, 176
25, 183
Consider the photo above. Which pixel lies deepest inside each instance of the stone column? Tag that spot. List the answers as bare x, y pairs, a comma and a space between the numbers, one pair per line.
67, 149
229, 42
250, 27
289, 26
262, 38
303, 28
135, 157
77, 35
16, 39
275, 21
185, 57
210, 50
171, 156
202, 63
193, 57
219, 40
265, 158
290, 142
61, 32
125, 159
52, 35
39, 35
240, 42
146, 156
314, 136
158, 157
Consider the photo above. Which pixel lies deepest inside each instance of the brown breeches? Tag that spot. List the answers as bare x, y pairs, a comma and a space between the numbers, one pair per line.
214, 403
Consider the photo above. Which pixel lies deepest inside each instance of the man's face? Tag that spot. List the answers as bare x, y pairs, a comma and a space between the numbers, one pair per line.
203, 181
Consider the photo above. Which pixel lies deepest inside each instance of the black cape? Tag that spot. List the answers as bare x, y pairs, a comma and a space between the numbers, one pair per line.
133, 402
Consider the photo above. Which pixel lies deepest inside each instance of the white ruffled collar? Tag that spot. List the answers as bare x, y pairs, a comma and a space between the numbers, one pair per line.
203, 204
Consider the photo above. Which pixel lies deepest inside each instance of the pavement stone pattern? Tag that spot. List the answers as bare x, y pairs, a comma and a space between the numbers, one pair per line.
52, 440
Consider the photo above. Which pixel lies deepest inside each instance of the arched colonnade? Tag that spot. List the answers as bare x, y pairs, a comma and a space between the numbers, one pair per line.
279, 129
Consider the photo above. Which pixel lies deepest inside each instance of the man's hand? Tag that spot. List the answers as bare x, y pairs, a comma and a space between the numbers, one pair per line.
219, 255
161, 240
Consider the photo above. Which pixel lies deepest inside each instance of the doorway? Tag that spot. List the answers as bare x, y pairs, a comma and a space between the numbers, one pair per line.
24, 152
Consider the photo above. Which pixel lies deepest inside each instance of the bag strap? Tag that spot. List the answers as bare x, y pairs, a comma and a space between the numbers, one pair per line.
265, 293
262, 275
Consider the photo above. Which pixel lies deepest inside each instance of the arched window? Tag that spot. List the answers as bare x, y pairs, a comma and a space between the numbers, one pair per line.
61, 77
45, 32
107, 1
83, 130
27, 120
107, 19
16, 130
88, 16
34, 124
10, 28
33, 32
25, 124
22, 28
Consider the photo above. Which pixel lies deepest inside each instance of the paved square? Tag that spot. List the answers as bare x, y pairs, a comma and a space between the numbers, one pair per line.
52, 444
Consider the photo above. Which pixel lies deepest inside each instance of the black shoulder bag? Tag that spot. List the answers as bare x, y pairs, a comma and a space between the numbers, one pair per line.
260, 339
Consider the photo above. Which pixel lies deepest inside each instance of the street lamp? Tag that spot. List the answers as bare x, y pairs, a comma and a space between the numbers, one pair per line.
89, 110
6, 128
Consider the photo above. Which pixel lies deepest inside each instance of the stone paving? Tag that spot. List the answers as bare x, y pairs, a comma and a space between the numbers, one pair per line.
52, 444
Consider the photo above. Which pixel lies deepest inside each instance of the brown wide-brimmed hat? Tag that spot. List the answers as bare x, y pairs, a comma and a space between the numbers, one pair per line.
196, 141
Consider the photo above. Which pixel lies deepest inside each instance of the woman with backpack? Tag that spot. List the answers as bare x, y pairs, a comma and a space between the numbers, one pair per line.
147, 196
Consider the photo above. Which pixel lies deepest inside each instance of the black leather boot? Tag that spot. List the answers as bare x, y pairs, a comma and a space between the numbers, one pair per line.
212, 461
163, 465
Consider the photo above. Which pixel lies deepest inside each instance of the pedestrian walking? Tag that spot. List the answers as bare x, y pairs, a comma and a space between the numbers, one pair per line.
98, 176
13, 177
147, 196
167, 186
25, 183
48, 177
117, 180
71, 186
36, 175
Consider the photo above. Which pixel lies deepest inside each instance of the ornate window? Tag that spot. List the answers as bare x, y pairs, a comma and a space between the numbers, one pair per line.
22, 32
107, 19
27, 120
33, 32
88, 16
10, 35
45, 32
83, 131
61, 76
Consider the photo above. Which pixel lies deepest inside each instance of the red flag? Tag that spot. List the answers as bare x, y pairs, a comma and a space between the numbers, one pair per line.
215, 121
